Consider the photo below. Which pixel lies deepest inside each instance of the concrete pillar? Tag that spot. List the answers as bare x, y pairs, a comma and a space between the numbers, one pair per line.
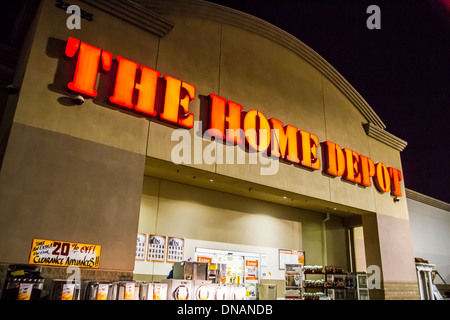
388, 245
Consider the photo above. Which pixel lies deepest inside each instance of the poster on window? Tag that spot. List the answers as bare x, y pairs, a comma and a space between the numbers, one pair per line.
251, 269
156, 248
141, 246
175, 249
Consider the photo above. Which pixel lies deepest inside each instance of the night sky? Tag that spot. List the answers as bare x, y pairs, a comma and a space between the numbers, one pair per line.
402, 70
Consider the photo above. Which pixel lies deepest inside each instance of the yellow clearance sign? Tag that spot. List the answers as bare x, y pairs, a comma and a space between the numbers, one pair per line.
65, 254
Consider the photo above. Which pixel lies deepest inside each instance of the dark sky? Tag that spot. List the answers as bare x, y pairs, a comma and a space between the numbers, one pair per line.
402, 70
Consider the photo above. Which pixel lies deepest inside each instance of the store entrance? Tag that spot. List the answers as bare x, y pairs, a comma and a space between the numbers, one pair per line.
243, 268
234, 265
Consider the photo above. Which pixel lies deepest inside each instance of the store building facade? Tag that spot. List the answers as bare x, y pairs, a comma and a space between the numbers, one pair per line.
103, 171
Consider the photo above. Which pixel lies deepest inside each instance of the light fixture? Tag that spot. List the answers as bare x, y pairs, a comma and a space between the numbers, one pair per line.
211, 180
12, 89
79, 100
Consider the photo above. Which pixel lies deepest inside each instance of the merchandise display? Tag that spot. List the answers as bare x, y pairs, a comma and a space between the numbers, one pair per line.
293, 281
251, 291
65, 290
217, 272
203, 290
105, 290
361, 286
126, 290
219, 292
236, 292
327, 283
23, 282
314, 283
143, 290
313, 269
188, 270
333, 269
335, 283
314, 296
157, 291
97, 290
179, 289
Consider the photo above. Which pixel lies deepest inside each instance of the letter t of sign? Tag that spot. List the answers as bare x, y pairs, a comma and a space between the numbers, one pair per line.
87, 65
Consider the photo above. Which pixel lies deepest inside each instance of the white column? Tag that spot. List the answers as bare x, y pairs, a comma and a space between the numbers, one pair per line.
430, 285
419, 279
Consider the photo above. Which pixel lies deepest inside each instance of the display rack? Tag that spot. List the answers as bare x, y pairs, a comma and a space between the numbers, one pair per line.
361, 286
330, 283
293, 281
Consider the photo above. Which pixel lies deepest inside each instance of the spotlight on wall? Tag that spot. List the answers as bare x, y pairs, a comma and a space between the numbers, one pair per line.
78, 99
12, 89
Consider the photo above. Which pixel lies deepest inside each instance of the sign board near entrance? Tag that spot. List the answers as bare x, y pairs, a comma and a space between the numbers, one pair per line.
64, 254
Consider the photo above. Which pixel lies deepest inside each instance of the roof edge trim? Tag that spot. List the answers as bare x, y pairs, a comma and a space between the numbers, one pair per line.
419, 197
225, 15
134, 14
384, 136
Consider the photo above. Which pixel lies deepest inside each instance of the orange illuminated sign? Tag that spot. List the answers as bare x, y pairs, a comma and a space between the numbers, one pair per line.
126, 86
297, 146
89, 58
143, 90
204, 259
251, 263
135, 87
